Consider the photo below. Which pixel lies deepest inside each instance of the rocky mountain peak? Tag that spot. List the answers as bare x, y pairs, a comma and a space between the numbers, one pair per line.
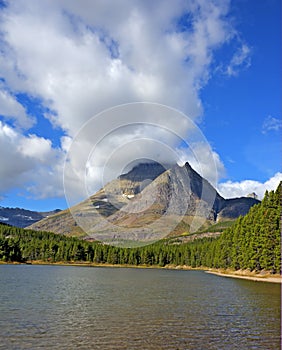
148, 202
143, 171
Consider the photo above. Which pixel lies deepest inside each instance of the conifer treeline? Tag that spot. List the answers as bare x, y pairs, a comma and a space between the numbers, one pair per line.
252, 242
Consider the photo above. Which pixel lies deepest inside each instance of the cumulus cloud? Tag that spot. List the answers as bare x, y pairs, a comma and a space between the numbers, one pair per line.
11, 109
27, 163
80, 60
231, 189
88, 58
119, 136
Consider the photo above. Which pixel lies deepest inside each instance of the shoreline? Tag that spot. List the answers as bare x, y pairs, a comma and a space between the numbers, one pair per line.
264, 276
89, 264
246, 275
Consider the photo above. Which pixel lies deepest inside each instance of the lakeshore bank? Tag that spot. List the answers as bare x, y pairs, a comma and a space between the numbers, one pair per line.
263, 276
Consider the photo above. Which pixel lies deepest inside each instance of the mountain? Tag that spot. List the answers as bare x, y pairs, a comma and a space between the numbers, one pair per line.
22, 217
251, 242
146, 204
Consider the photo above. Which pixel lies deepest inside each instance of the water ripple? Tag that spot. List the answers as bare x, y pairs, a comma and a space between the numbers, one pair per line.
52, 307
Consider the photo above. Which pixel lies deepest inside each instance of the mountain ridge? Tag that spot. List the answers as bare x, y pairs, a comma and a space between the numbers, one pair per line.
21, 217
147, 203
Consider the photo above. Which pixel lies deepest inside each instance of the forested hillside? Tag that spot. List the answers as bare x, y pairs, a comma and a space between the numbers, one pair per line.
252, 242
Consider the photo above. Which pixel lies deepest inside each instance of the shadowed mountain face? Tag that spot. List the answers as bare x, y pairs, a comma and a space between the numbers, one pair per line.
21, 217
143, 172
146, 204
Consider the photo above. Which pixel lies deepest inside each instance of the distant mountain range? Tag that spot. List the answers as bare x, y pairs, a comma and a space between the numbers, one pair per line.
145, 204
22, 217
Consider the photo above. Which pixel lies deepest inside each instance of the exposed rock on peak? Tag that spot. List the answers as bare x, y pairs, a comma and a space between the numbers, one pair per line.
144, 171
148, 202
253, 195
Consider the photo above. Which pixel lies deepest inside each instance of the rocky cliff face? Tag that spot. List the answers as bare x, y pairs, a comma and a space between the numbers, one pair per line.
234, 207
144, 171
147, 203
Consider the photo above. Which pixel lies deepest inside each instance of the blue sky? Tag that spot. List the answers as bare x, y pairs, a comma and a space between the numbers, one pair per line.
244, 105
218, 62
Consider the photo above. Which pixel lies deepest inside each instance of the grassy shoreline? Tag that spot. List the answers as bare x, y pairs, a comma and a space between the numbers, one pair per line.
263, 276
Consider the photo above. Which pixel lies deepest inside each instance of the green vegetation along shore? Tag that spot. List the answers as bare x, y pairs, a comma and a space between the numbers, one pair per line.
252, 243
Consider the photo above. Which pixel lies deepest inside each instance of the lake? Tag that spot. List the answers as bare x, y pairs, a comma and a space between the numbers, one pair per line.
59, 307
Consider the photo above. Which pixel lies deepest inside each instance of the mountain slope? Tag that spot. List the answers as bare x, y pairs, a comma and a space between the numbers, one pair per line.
22, 217
146, 204
102, 204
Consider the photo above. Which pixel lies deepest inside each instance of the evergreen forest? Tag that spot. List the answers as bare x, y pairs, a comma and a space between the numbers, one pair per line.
252, 242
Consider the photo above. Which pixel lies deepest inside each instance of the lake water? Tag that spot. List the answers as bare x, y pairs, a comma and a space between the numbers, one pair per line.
58, 307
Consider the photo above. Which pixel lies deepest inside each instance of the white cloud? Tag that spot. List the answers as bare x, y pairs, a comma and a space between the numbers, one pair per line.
119, 136
79, 60
231, 189
11, 109
27, 162
240, 60
35, 147
271, 124
72, 66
